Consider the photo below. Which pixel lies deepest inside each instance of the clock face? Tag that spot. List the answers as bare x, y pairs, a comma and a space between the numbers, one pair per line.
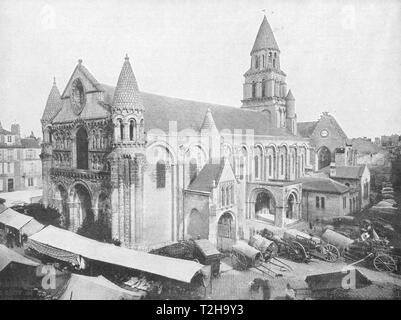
77, 96
324, 133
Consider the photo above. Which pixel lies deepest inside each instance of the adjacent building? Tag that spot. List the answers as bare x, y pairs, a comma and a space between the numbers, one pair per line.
20, 164
328, 139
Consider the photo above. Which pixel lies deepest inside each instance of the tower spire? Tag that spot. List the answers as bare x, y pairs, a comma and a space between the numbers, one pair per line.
53, 104
265, 38
127, 95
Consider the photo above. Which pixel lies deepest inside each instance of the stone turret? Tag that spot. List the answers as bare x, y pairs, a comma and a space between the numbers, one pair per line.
127, 159
53, 104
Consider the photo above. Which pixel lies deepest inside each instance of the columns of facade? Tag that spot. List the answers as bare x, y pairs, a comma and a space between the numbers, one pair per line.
127, 203
132, 199
174, 221
114, 200
139, 196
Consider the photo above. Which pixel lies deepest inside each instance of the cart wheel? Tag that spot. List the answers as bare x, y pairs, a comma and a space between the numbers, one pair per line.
298, 252
330, 252
384, 263
238, 262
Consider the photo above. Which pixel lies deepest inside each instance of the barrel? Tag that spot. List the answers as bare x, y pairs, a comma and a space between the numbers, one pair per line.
334, 238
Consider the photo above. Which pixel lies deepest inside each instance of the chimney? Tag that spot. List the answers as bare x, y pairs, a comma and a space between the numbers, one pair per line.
332, 169
15, 129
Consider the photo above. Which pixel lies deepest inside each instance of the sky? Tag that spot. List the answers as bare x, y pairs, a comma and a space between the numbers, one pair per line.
343, 57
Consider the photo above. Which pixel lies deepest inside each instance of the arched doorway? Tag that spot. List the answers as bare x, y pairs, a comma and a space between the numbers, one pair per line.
225, 232
264, 206
291, 206
82, 205
61, 199
323, 157
197, 227
82, 149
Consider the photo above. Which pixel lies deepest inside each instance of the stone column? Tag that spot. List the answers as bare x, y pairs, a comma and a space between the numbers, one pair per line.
114, 200
139, 196
127, 207
132, 200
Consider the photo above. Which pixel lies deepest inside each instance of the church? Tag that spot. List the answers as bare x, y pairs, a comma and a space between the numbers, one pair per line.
156, 169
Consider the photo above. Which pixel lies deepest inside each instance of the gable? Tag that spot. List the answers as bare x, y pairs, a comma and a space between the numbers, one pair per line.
88, 80
227, 173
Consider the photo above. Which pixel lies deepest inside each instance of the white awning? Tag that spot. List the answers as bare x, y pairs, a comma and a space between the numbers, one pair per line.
14, 219
177, 269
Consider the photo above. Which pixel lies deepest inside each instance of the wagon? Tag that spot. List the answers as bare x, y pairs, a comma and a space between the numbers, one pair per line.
267, 247
376, 253
206, 253
243, 256
313, 246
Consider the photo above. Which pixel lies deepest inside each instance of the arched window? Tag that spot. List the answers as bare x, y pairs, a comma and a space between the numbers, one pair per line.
282, 164
132, 129
228, 197
270, 57
263, 87
302, 164
193, 170
82, 149
223, 197
253, 89
270, 165
322, 202
121, 130
232, 194
160, 174
256, 159
256, 62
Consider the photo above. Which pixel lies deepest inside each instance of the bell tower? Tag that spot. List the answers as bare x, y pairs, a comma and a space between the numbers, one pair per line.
265, 88
127, 160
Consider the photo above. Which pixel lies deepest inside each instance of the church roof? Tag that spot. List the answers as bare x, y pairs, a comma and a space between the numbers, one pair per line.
30, 143
319, 184
346, 172
126, 94
265, 38
53, 104
209, 173
305, 129
208, 122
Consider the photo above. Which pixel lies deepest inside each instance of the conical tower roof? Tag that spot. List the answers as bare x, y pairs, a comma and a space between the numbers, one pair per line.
265, 38
53, 104
208, 121
126, 94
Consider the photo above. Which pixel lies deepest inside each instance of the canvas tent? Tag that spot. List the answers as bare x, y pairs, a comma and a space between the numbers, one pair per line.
8, 256
69, 246
22, 223
81, 287
338, 280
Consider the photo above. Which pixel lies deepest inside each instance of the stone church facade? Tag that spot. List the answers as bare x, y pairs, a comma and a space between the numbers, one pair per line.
155, 169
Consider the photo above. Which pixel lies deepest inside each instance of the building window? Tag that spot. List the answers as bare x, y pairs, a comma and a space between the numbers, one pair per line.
344, 202
30, 182
253, 89
9, 139
160, 174
322, 202
256, 62
232, 194
82, 149
270, 165
263, 87
270, 57
10, 185
121, 130
264, 62
317, 202
223, 197
282, 164
132, 130
256, 159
